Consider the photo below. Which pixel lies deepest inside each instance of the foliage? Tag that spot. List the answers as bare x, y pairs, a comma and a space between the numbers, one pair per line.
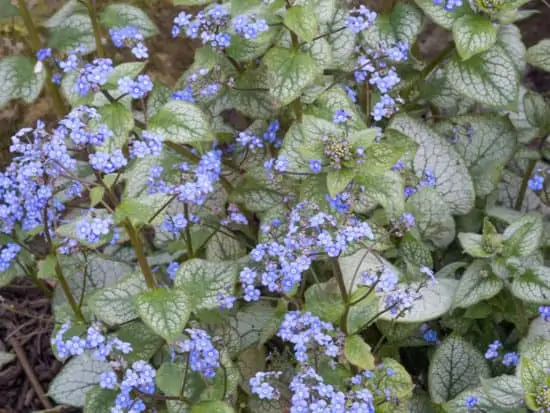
376, 238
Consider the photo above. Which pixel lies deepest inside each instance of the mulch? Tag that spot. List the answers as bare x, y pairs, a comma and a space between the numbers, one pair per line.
25, 327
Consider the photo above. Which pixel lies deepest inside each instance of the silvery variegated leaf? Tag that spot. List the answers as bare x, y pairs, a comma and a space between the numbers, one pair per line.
19, 80
504, 391
401, 25
440, 15
456, 366
489, 78
76, 378
74, 31
539, 55
121, 15
509, 37
477, 284
473, 34
453, 181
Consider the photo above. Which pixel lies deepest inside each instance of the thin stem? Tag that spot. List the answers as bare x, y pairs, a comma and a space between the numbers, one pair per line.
67, 290
340, 280
188, 239
36, 45
142, 260
95, 26
325, 35
524, 184
438, 59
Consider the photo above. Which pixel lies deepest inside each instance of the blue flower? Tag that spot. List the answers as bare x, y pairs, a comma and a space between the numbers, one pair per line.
315, 166
203, 356
492, 350
536, 183
471, 401
510, 359
43, 54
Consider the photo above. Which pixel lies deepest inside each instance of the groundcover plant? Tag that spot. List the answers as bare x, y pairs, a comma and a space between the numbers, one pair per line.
375, 239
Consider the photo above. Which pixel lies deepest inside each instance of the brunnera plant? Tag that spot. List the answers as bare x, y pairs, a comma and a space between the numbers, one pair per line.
375, 240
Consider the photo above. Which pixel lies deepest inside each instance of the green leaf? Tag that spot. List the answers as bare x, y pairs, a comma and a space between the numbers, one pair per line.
489, 78
523, 237
302, 21
504, 391
222, 247
96, 195
46, 268
302, 138
477, 284
453, 182
385, 189
420, 403
181, 122
165, 311
436, 299
251, 321
134, 210
439, 14
121, 15
290, 72
400, 382
336, 98
484, 404
472, 244
69, 8
414, 251
76, 378
536, 110
533, 365
19, 80
99, 400
533, 285
145, 343
120, 121
115, 304
170, 378
455, 367
325, 302
358, 353
342, 42
539, 55
212, 407
158, 97
130, 69
8, 10
203, 280
509, 37
403, 24
76, 30
337, 181
473, 34
361, 313
432, 217
485, 142
539, 329
361, 261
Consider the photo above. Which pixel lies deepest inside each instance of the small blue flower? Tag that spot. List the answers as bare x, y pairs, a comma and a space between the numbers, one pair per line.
43, 54
315, 166
510, 359
492, 350
471, 401
536, 183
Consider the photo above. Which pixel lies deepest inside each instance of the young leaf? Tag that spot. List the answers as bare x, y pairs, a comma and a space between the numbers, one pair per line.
472, 35
453, 182
489, 78
115, 304
477, 284
455, 367
533, 366
523, 237
358, 352
539, 55
120, 15
181, 122
325, 302
290, 72
302, 21
361, 313
203, 280
78, 376
120, 121
165, 311
19, 80
472, 244
96, 195
337, 181
385, 189
130, 69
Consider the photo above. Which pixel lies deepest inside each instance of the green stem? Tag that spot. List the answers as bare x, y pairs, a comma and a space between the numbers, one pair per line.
438, 59
524, 184
343, 292
142, 260
188, 240
95, 26
67, 290
36, 45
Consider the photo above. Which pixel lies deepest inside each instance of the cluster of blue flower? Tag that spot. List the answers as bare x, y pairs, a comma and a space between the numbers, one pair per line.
212, 26
536, 182
197, 182
448, 5
7, 255
131, 37
92, 229
252, 142
360, 19
310, 233
508, 359
428, 179
203, 356
202, 83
